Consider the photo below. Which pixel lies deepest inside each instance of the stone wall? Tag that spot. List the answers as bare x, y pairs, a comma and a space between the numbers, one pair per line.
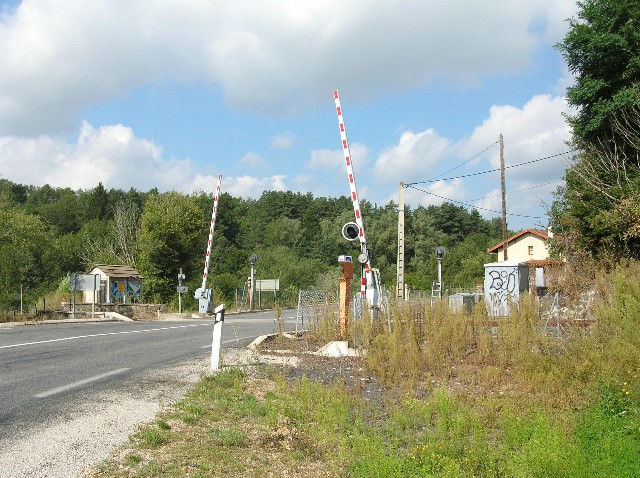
133, 311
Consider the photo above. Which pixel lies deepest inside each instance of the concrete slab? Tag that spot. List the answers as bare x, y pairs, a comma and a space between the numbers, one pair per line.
337, 348
258, 341
116, 316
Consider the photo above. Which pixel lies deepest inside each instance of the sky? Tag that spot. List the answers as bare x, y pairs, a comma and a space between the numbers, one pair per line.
171, 94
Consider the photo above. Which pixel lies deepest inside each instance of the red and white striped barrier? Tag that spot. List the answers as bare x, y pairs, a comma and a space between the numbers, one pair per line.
212, 226
366, 277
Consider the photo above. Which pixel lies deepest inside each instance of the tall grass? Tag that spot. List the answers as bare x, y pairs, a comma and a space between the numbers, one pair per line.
515, 351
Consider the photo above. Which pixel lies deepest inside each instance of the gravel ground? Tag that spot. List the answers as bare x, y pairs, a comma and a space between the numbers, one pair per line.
94, 427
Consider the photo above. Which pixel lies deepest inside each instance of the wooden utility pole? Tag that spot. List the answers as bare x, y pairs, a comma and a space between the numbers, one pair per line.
504, 201
400, 270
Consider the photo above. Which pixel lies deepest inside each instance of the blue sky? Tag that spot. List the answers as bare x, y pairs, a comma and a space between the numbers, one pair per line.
170, 94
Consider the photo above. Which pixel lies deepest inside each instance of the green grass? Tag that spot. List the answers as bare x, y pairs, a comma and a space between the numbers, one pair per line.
459, 403
609, 431
151, 437
306, 424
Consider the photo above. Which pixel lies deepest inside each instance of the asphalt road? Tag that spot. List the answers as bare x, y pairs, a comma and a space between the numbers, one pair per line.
44, 367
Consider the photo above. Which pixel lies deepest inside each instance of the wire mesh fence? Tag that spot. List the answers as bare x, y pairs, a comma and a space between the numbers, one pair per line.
314, 306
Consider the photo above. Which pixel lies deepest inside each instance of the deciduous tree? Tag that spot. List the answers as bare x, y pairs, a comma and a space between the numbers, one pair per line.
602, 50
170, 238
23, 241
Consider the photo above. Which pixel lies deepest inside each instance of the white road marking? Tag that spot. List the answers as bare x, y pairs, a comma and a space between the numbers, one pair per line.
80, 383
102, 335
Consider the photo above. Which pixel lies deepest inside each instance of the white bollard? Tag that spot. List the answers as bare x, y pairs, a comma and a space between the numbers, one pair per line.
217, 337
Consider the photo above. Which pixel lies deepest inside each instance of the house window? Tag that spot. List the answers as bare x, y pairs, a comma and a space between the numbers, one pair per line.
530, 250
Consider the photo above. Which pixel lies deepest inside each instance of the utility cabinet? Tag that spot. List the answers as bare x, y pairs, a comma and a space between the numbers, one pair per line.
504, 283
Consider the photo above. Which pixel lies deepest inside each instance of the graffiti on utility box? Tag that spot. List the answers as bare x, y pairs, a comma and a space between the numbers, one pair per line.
503, 284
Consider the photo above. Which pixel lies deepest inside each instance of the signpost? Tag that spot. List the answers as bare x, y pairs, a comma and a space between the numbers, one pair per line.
217, 337
84, 282
267, 285
18, 297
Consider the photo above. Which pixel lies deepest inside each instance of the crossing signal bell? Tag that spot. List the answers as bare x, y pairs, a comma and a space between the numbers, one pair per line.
351, 231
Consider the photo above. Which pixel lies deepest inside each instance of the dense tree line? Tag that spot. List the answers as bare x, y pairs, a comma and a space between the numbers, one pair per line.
598, 210
49, 232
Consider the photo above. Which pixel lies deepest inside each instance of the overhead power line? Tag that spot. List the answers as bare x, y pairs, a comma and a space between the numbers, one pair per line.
470, 205
467, 161
519, 190
489, 171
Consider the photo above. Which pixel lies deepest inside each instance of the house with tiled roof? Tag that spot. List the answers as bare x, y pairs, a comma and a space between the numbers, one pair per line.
530, 247
527, 245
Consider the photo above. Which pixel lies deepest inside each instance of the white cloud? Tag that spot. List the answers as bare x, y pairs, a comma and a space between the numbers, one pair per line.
273, 57
115, 156
303, 181
252, 186
554, 15
109, 154
278, 183
532, 133
60, 58
325, 159
319, 186
535, 131
282, 141
205, 183
416, 155
253, 162
333, 159
451, 190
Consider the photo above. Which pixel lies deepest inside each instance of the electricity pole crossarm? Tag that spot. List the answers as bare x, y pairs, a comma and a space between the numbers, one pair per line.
366, 266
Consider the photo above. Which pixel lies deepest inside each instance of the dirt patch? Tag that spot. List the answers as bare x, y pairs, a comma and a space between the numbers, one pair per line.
297, 358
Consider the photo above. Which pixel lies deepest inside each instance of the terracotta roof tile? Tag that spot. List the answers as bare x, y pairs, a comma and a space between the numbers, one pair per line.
541, 234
